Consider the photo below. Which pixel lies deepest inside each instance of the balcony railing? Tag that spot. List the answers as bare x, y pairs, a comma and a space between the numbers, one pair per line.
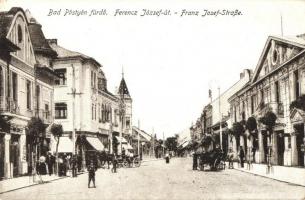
9, 105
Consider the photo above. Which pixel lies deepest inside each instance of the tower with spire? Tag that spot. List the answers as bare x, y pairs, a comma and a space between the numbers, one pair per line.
124, 96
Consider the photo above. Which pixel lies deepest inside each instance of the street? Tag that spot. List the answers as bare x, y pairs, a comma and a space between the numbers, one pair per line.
157, 180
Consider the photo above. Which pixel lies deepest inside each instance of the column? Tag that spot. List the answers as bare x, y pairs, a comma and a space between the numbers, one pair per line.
274, 148
22, 154
294, 151
261, 154
7, 166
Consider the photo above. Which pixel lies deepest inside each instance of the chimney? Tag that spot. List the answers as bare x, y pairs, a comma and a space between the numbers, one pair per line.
52, 41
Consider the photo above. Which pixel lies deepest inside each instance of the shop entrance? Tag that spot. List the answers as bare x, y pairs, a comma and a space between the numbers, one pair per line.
300, 141
280, 147
14, 153
1, 156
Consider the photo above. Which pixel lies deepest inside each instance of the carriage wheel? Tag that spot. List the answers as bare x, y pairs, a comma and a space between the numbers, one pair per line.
136, 162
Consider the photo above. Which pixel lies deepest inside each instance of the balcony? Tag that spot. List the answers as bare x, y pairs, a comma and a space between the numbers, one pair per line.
10, 106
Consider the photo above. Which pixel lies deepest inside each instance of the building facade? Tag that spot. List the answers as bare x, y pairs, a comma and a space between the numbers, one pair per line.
26, 89
278, 81
84, 105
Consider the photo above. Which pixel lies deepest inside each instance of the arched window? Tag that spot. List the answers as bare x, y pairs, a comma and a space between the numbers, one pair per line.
20, 35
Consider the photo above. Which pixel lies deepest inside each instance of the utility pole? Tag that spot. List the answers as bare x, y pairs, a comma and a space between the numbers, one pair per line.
220, 120
73, 93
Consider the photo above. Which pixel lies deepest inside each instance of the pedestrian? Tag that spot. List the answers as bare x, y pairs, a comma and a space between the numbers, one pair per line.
114, 163
74, 166
91, 174
230, 158
195, 163
50, 162
241, 156
167, 158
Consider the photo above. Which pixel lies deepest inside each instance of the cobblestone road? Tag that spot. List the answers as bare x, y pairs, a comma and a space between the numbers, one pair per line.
157, 180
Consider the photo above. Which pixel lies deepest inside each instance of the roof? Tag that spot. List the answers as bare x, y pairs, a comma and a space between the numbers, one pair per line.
63, 53
142, 133
39, 41
6, 19
123, 90
292, 40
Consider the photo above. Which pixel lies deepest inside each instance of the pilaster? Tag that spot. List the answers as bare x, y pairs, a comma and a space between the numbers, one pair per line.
7, 166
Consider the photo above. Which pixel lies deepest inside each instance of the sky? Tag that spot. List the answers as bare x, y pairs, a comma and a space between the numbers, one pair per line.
170, 61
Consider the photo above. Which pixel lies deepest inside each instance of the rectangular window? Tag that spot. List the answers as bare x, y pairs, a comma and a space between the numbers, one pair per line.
127, 122
296, 84
37, 97
62, 76
14, 86
92, 111
262, 96
277, 92
28, 94
252, 104
46, 111
60, 111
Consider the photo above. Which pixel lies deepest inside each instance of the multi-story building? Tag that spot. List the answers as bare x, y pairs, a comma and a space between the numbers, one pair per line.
84, 105
26, 88
213, 115
278, 80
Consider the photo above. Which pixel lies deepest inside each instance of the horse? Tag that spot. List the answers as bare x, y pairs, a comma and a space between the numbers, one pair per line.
106, 158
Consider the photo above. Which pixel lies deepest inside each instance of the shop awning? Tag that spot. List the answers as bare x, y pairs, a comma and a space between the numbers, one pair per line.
125, 144
96, 143
65, 145
119, 139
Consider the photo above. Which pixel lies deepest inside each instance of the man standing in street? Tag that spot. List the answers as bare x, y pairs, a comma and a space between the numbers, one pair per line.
91, 174
241, 156
195, 163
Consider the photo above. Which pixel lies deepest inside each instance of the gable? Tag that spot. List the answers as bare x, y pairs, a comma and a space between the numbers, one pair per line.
297, 116
19, 35
276, 52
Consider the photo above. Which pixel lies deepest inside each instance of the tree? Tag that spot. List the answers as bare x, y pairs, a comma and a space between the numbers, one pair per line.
171, 143
57, 131
269, 120
238, 130
36, 128
251, 125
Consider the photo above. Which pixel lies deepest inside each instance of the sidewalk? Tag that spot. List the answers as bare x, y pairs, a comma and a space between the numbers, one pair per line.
293, 175
25, 181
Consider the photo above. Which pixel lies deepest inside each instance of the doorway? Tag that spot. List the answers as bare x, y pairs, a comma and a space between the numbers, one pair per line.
280, 147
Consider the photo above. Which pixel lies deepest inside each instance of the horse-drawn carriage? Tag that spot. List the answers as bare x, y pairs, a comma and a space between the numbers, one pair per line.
215, 159
122, 161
